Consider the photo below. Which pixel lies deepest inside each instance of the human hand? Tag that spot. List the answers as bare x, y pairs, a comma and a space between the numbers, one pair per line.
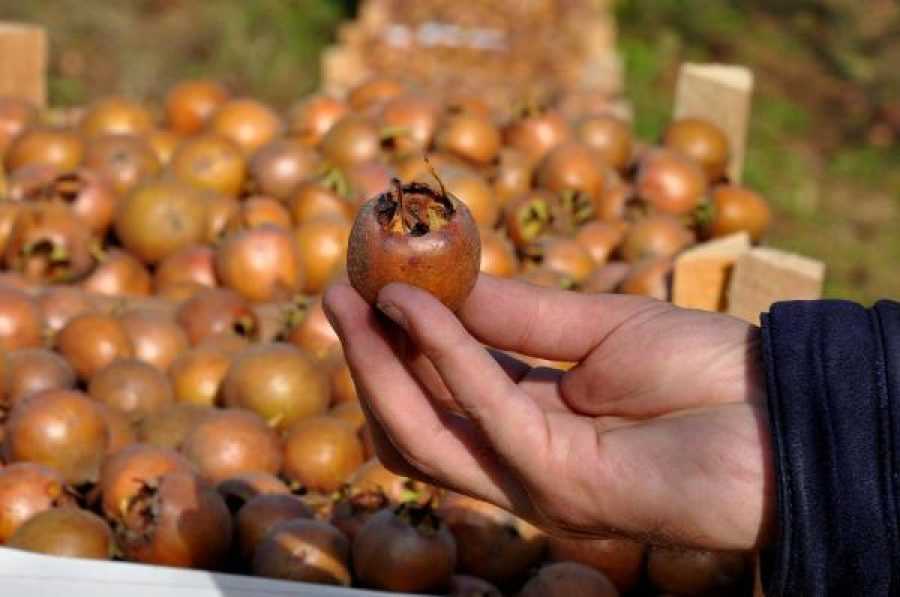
660, 431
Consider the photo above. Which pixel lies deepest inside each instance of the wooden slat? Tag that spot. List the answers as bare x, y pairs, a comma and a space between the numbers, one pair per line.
702, 273
721, 94
23, 62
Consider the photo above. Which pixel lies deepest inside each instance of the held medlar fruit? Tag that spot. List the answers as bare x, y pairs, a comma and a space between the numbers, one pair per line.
68, 532
415, 235
304, 550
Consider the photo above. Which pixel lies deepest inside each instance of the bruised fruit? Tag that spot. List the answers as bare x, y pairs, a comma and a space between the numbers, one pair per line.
48, 243
67, 532
21, 320
190, 104
26, 489
304, 550
738, 209
279, 382
159, 218
406, 548
491, 543
262, 512
132, 387
262, 264
216, 312
565, 579
320, 453
701, 141
62, 429
92, 341
415, 235
231, 442
128, 471
177, 520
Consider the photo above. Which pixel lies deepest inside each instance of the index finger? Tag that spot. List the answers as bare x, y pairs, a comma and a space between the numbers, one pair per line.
553, 324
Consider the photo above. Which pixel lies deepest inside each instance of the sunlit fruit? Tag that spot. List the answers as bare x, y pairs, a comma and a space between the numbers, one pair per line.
132, 387
322, 246
48, 244
116, 115
650, 277
16, 116
312, 200
352, 140
61, 429
670, 183
738, 209
280, 166
123, 160
62, 148
193, 264
248, 122
67, 532
470, 137
215, 312
511, 176
261, 264
312, 118
168, 428
320, 453
197, 375
34, 370
703, 142
536, 132
190, 104
125, 474
655, 236
89, 196
409, 122
21, 320
475, 192
609, 137
312, 331
564, 255
279, 382
91, 341
572, 167
374, 92
118, 273
601, 239
210, 162
26, 489
157, 339
416, 235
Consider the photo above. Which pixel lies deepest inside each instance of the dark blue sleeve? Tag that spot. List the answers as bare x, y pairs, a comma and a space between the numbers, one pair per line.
833, 375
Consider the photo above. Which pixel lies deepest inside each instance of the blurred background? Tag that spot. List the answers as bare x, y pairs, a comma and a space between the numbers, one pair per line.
824, 141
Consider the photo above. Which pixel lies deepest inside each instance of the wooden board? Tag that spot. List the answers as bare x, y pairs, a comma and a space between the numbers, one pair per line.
23, 62
764, 276
702, 273
721, 94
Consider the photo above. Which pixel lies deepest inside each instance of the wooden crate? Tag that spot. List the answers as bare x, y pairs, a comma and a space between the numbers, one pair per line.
23, 62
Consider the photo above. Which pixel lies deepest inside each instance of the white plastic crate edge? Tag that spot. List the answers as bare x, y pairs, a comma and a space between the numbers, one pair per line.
24, 574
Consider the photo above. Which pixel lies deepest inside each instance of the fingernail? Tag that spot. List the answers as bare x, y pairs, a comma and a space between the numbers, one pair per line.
393, 313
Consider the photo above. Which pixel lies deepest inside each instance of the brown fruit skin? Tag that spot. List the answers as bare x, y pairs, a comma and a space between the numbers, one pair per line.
34, 370
703, 142
232, 442
16, 116
391, 554
262, 512
609, 137
9, 213
650, 277
26, 489
21, 320
210, 162
564, 579
164, 142
66, 532
61, 148
312, 200
123, 160
156, 338
670, 183
462, 585
443, 262
497, 255
606, 278
322, 246
240, 489
90, 197
180, 521
260, 210
547, 278
196, 375
538, 133
125, 472
278, 167
313, 333
572, 167
159, 218
568, 257
738, 209
116, 115
118, 274
684, 572
59, 304
373, 92
470, 137
121, 433
352, 140
194, 264
621, 560
312, 118
320, 453
491, 543
262, 264
169, 428
247, 122
42, 230
304, 550
528, 217
343, 388
512, 175
92, 341
62, 429
414, 120
655, 236
601, 238
374, 477
279, 382
216, 312
474, 191
132, 387
189, 105
366, 180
